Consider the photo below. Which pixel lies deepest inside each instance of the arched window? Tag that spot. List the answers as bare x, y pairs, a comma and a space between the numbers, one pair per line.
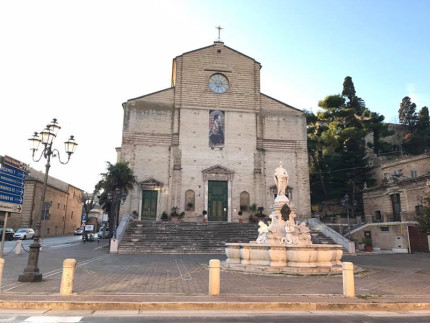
244, 201
190, 200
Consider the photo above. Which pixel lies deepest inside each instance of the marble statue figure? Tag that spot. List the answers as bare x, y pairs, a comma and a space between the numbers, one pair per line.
281, 178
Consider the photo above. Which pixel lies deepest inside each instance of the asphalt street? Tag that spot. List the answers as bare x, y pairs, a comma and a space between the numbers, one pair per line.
212, 316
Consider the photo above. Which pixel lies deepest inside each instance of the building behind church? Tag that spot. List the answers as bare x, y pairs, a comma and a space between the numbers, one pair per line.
212, 141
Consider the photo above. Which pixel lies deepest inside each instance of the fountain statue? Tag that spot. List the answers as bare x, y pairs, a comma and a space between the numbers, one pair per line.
279, 231
283, 246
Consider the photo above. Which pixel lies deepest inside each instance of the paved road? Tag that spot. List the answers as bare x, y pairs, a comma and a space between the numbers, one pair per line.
54, 251
9, 246
210, 316
100, 273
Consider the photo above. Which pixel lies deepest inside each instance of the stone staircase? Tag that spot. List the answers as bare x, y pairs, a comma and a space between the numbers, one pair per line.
189, 237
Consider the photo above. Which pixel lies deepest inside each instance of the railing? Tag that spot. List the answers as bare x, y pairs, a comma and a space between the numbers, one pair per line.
122, 226
329, 232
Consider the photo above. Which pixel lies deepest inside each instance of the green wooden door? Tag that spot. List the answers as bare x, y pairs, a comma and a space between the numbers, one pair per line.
149, 205
217, 201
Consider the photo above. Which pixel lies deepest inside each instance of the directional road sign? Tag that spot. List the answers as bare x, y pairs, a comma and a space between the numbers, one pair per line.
12, 177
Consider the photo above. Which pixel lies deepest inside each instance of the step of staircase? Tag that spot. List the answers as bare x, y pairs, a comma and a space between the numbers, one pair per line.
189, 237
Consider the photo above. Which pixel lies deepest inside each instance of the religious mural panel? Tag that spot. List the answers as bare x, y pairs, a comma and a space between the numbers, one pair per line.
216, 128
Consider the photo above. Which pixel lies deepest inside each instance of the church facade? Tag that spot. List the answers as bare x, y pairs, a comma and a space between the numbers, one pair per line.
212, 141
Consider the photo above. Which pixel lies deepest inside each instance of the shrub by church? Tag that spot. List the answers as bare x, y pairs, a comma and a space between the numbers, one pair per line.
212, 141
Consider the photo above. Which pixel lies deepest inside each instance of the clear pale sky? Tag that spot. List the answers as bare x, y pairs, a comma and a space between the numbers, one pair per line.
78, 61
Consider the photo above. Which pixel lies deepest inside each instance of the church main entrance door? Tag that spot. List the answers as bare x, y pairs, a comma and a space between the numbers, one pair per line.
217, 201
149, 205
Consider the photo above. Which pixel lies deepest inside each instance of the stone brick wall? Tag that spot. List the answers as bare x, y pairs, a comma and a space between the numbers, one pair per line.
410, 188
65, 211
166, 136
193, 70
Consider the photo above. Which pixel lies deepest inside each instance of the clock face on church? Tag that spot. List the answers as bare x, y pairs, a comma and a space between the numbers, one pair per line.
218, 83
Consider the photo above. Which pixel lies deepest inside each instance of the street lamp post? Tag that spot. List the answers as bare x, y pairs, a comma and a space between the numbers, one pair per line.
47, 136
117, 197
348, 206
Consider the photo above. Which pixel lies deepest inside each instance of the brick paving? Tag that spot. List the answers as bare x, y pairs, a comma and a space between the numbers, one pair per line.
100, 273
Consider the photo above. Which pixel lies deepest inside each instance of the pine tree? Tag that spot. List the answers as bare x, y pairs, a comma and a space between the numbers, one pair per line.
336, 141
407, 113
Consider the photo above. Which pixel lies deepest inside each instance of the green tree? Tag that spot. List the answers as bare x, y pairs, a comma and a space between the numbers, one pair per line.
118, 179
407, 113
423, 119
417, 140
336, 144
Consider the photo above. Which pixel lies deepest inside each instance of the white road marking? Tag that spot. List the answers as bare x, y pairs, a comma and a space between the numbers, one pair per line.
185, 274
54, 319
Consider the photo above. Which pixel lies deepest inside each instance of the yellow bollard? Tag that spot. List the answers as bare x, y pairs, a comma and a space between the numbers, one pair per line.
1, 270
18, 247
214, 277
348, 279
68, 276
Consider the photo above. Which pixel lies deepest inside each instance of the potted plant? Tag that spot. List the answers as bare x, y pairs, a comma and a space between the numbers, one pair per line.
205, 216
260, 214
244, 207
175, 215
367, 244
240, 216
190, 206
164, 216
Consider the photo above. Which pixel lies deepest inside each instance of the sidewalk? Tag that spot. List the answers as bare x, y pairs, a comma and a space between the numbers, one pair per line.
174, 282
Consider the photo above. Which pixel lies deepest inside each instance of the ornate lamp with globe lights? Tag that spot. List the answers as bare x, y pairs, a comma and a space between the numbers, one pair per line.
46, 137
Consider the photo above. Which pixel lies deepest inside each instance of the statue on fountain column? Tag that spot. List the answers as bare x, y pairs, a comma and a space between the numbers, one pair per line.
281, 178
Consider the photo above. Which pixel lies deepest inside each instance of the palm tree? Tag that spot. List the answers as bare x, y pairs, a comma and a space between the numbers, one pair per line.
118, 180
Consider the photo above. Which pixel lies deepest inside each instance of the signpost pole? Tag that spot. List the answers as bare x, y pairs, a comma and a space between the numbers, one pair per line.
3, 235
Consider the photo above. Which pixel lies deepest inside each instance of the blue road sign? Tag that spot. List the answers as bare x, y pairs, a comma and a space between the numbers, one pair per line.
11, 190
10, 180
8, 170
10, 198
11, 185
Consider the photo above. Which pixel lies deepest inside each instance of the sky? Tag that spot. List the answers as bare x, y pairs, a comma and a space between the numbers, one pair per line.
78, 61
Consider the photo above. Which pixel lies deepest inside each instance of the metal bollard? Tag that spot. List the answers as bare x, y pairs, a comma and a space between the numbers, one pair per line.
18, 247
68, 276
1, 271
348, 279
214, 277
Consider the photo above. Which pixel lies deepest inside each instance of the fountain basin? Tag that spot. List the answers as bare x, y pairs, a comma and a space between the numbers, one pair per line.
295, 259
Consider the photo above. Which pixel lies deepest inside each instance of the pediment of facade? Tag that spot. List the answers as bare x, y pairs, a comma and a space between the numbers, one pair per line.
150, 183
217, 172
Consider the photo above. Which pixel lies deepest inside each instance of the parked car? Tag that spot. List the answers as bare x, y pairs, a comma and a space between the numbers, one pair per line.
8, 234
24, 233
79, 231
100, 233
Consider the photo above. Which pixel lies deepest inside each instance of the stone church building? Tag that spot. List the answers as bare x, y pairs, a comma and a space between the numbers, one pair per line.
212, 141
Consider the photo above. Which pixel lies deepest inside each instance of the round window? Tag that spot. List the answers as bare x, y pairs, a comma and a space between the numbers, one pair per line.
218, 83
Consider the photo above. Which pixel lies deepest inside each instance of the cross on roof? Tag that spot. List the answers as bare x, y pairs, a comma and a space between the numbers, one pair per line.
219, 31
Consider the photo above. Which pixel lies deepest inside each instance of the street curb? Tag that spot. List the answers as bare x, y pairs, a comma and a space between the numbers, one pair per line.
171, 306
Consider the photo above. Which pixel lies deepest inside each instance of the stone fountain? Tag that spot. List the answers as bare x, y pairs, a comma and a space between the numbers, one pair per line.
283, 246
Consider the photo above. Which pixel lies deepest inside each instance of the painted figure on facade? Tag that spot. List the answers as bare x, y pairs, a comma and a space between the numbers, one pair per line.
216, 128
281, 178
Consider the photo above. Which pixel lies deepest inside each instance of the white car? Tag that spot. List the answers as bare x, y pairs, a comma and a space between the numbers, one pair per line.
24, 233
